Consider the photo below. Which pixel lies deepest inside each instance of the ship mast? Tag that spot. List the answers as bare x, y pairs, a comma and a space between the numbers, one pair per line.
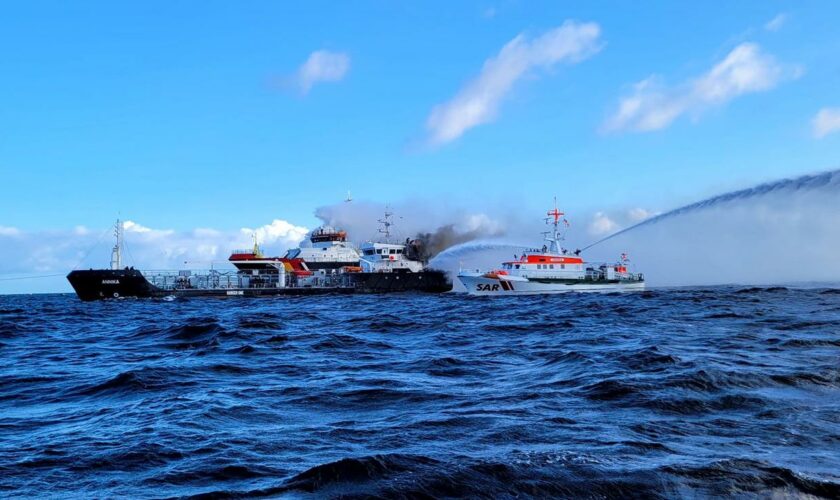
257, 252
556, 237
386, 225
116, 253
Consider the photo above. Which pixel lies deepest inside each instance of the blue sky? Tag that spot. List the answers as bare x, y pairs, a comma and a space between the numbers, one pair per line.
184, 115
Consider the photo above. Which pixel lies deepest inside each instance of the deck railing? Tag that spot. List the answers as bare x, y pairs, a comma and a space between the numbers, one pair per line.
212, 279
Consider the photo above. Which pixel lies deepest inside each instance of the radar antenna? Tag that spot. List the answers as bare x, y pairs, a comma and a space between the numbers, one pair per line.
386, 223
555, 236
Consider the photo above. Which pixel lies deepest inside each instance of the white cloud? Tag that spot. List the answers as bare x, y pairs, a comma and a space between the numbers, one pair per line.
653, 106
826, 121
602, 225
776, 23
204, 232
639, 214
146, 247
9, 231
480, 222
277, 231
133, 227
321, 66
478, 101
606, 222
149, 233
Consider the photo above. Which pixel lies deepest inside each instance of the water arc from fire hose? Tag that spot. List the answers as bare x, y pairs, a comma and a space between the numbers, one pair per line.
830, 179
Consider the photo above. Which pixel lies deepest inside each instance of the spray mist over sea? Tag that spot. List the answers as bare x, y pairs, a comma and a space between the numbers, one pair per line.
786, 231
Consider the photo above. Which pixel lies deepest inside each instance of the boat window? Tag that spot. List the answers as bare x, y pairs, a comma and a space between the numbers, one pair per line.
399, 250
392, 252
517, 266
562, 266
551, 266
379, 251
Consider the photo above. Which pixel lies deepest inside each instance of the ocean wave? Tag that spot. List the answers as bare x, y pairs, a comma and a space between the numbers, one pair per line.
739, 476
141, 380
545, 475
667, 393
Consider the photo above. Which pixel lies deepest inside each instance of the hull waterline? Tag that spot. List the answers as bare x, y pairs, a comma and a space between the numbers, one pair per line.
481, 285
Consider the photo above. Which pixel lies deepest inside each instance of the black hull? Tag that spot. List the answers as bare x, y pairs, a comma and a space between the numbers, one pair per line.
100, 284
429, 281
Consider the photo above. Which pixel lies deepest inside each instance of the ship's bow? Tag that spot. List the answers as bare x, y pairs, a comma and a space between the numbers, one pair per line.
98, 284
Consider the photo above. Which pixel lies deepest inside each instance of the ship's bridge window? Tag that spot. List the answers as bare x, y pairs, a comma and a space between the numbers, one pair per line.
369, 252
392, 251
379, 251
517, 266
399, 250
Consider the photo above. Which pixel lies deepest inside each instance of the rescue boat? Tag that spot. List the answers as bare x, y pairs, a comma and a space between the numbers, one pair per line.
552, 269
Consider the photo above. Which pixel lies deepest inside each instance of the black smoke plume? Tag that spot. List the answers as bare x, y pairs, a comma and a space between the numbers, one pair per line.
426, 231
428, 245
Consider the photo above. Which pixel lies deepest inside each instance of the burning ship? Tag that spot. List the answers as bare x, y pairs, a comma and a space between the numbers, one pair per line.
330, 265
552, 269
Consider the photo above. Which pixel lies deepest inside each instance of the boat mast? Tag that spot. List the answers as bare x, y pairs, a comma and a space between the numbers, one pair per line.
555, 238
257, 252
386, 225
116, 253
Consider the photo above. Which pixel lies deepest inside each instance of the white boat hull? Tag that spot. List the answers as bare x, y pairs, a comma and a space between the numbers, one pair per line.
482, 285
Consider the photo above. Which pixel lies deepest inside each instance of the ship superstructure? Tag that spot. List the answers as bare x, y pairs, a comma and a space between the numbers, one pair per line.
386, 264
552, 269
254, 260
385, 256
329, 250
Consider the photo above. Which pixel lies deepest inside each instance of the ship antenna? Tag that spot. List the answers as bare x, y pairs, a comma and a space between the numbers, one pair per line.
555, 234
386, 224
116, 253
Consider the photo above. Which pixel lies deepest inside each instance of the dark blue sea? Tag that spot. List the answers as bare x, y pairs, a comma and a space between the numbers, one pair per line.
666, 393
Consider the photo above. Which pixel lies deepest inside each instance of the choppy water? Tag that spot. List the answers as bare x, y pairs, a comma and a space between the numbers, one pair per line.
664, 393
